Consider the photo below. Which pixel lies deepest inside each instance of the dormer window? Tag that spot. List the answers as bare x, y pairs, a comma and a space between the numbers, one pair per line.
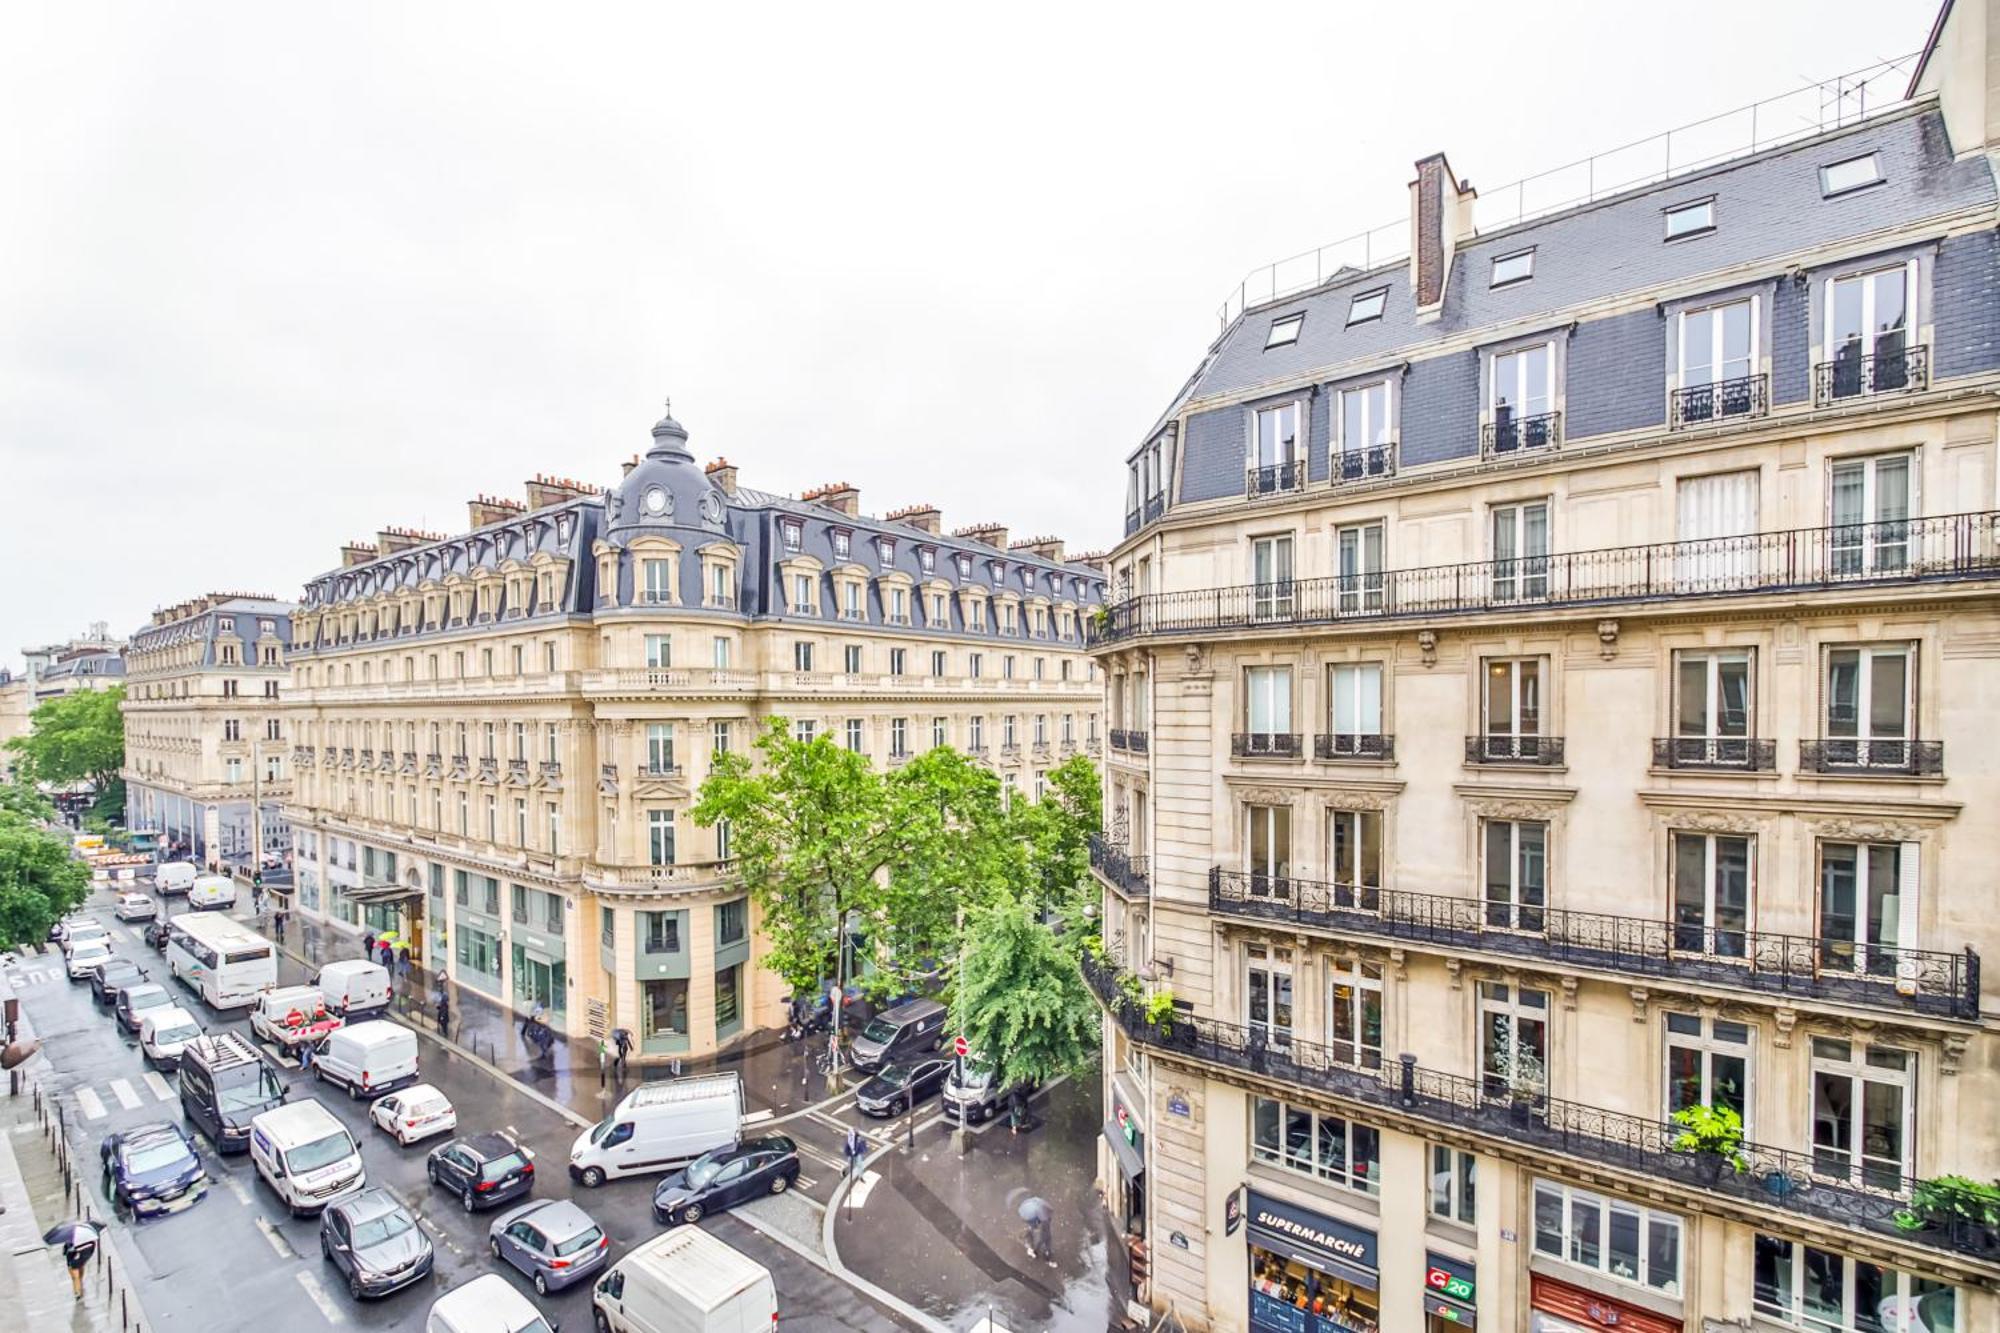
1690, 219
965, 566
1517, 267
926, 559
1853, 174
792, 534
885, 550
1284, 332
841, 544
1367, 306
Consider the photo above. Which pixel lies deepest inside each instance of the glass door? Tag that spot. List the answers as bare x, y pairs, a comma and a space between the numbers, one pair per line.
1870, 514
1268, 995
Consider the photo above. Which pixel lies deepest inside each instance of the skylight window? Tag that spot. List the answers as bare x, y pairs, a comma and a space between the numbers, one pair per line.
1517, 267
1690, 219
1367, 306
1284, 332
1852, 174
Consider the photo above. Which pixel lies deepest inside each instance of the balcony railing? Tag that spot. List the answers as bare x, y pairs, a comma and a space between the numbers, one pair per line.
1724, 400
1128, 874
1366, 463
1132, 522
1132, 742
1911, 980
1539, 751
1353, 745
1907, 370
1266, 745
1950, 548
1519, 435
1275, 478
1730, 754
1848, 755
1815, 1185
1156, 505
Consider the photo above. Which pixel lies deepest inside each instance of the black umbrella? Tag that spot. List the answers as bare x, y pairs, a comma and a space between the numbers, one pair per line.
70, 1234
1035, 1209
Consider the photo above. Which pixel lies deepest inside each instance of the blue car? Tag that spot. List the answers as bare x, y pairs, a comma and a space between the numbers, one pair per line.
153, 1170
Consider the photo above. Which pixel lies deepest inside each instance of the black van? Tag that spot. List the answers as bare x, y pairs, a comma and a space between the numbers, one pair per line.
914, 1027
225, 1083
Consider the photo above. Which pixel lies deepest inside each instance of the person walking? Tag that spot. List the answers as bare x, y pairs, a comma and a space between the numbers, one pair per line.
305, 1057
443, 1012
1039, 1217
622, 1039
368, 947
855, 1146
76, 1257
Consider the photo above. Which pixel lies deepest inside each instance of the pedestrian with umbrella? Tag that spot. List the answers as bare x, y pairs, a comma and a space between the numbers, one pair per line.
1039, 1216
79, 1242
622, 1039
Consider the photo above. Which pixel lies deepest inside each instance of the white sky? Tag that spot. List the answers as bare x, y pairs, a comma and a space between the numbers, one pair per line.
273, 277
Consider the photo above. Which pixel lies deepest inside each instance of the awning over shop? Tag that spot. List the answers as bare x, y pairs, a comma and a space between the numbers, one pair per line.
377, 895
1129, 1160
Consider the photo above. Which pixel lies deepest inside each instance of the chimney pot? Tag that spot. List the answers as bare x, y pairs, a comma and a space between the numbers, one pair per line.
926, 517
836, 495
1440, 221
987, 534
723, 473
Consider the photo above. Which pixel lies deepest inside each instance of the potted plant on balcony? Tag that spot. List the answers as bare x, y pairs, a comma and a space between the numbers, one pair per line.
1714, 1134
1526, 1081
1160, 1012
1965, 1211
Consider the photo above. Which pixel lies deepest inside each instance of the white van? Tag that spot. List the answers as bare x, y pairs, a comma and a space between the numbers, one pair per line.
84, 931
352, 986
686, 1280
487, 1304
291, 1016
212, 891
165, 1033
306, 1155
368, 1059
658, 1126
175, 877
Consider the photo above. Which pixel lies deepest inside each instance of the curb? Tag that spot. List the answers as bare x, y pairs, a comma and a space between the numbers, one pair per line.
832, 1262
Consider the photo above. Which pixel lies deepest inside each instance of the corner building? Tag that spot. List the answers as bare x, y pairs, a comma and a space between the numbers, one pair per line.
500, 734
1551, 685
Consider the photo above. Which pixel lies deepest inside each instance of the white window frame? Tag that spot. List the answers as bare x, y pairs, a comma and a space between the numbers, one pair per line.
1504, 1003
1702, 215
1712, 661
1830, 190
1454, 1185
1284, 450
1863, 726
1366, 306
1873, 543
1575, 1205
1273, 877
1855, 952
1361, 580
1345, 684
1284, 331
1273, 596
1912, 317
1273, 964
1794, 1313
1717, 342
1707, 1044
1323, 1129
1857, 1070
661, 838
1267, 690
659, 747
1513, 668
1378, 418
1355, 883
1524, 575
1504, 266
856, 736
1352, 985
1707, 937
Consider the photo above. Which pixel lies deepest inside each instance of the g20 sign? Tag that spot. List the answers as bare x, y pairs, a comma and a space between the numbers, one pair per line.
1449, 1284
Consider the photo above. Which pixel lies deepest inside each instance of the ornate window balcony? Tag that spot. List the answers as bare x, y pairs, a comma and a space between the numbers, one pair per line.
433, 764
489, 770
1266, 745
517, 772
1275, 479
1353, 745
1371, 463
1742, 398
1129, 875
1532, 751
1851, 757
1715, 754
1907, 370
1944, 985
1132, 742
1507, 435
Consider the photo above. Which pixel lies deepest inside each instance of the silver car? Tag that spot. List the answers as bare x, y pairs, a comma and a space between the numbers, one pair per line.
552, 1241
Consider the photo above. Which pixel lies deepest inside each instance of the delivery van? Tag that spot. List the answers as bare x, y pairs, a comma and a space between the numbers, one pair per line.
175, 877
292, 1016
686, 1281
212, 892
487, 1304
659, 1126
353, 987
914, 1027
306, 1155
369, 1059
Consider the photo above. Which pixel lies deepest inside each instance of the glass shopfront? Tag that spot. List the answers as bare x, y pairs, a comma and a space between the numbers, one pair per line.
1309, 1273
1557, 1307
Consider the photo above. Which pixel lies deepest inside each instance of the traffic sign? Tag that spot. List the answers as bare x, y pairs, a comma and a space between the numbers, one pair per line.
960, 1047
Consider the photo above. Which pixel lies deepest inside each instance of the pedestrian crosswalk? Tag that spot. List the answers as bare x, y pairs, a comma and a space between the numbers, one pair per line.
128, 1094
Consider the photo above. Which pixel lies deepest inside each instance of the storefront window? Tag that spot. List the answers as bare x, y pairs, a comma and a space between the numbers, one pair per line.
663, 1012
1316, 1144
1824, 1292
1610, 1236
539, 981
728, 1001
479, 958
1288, 1294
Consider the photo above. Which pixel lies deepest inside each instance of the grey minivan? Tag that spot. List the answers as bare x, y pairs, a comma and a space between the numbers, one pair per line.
914, 1027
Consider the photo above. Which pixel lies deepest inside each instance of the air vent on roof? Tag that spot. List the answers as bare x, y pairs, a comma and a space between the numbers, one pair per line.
1690, 219
1517, 267
1284, 332
1367, 306
1853, 174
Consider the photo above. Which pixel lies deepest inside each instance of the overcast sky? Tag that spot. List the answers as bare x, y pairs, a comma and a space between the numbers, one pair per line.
273, 277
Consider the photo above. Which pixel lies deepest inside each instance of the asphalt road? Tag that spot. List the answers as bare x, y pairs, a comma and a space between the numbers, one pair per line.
237, 1261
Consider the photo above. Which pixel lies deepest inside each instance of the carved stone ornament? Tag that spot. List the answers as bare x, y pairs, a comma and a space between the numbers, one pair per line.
1714, 821
1494, 807
1953, 1052
1569, 984
1455, 970
1784, 1019
1607, 638
1641, 998
1866, 830
1427, 644
1399, 959
1197, 661
1267, 796
1353, 798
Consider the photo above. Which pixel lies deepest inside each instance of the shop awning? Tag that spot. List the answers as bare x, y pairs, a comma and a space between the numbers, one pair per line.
377, 895
1129, 1160
1313, 1257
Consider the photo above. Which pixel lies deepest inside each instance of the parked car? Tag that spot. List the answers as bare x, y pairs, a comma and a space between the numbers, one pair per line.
374, 1243
156, 935
552, 1241
135, 907
482, 1170
414, 1113
910, 1029
901, 1085
164, 1034
153, 1170
113, 975
87, 955
487, 1304
135, 1002
973, 1094
718, 1179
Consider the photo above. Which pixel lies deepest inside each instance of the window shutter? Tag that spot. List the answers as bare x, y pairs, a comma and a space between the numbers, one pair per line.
1908, 864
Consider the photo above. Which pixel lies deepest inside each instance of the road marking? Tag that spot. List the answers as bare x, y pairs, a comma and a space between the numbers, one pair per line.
857, 1193
332, 1313
278, 1242
93, 1108
238, 1188
757, 1117
159, 1086
127, 1096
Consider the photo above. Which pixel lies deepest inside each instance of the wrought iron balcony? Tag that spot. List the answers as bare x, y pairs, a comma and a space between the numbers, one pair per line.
409, 762
1266, 745
1818, 1185
1721, 754
550, 773
1951, 548
517, 772
1276, 478
1156, 505
1724, 400
1128, 874
433, 764
1353, 745
1132, 522
1132, 742
1508, 434
1907, 370
489, 770
1843, 756
1944, 985
1539, 751
1363, 464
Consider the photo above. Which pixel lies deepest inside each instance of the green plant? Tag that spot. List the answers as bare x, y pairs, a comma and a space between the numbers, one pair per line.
1131, 988
1160, 1009
1906, 1220
1713, 1130
1945, 1201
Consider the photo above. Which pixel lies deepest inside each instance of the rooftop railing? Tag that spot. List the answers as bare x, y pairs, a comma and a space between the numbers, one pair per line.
1851, 555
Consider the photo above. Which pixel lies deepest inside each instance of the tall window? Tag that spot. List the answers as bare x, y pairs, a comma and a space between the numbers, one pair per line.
899, 736
1869, 698
1520, 551
1867, 905
1718, 357
659, 652
1712, 701
659, 581
660, 836
851, 601
802, 655
1867, 332
719, 652
1340, 1151
1359, 551
659, 747
1276, 448
1513, 706
1364, 431
1354, 855
1822, 1291
854, 735
1268, 848
941, 732
802, 592
719, 591
1268, 994
1708, 1064
1516, 873
1354, 1013
1863, 1103
1513, 1040
975, 732
1268, 705
899, 660
1869, 508
804, 730
1354, 708
1041, 732
718, 738
1271, 570
1621, 1240
1712, 888
1454, 1191
1524, 391
850, 658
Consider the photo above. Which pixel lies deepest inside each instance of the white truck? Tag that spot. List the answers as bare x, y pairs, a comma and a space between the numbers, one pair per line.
293, 1016
659, 1126
685, 1281
353, 987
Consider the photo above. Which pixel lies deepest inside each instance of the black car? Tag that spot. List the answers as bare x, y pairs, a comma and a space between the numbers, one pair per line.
113, 975
482, 1170
152, 1170
901, 1085
374, 1243
727, 1175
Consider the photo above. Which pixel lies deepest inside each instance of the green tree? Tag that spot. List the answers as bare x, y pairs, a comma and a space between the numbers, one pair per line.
19, 798
39, 880
1055, 832
74, 738
1020, 1001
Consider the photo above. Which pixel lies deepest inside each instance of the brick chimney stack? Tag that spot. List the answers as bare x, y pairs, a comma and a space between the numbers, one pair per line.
723, 473
625, 468
356, 553
926, 517
1048, 548
544, 491
989, 534
487, 509
1089, 560
1440, 221
837, 495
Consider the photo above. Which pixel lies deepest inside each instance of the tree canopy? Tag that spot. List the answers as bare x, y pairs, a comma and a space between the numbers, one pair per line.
74, 738
40, 881
1020, 1002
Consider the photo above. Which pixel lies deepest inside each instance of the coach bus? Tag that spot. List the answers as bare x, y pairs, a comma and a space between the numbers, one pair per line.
219, 958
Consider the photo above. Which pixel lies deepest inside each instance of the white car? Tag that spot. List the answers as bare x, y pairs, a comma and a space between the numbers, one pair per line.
86, 955
165, 1034
83, 932
416, 1112
135, 907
